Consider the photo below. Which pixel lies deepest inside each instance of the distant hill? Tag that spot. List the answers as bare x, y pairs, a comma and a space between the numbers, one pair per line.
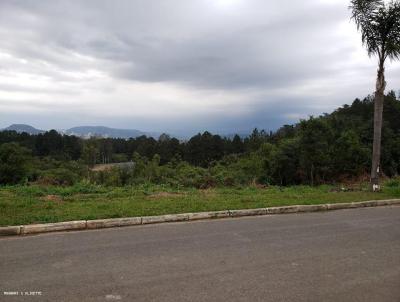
23, 128
101, 131
86, 131
105, 132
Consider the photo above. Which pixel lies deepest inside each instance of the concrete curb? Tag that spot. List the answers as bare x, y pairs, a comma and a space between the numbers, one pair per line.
53, 227
114, 222
165, 218
10, 230
209, 215
130, 221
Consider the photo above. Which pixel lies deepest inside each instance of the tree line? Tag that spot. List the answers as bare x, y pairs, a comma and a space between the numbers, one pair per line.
199, 150
325, 149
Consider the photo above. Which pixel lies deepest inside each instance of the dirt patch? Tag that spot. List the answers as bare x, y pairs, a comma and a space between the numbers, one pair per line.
55, 198
166, 195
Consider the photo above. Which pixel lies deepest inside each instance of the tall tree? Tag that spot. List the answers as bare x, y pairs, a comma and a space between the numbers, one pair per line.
379, 24
13, 163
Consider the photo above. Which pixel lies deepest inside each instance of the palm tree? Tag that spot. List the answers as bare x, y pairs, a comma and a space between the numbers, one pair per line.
379, 24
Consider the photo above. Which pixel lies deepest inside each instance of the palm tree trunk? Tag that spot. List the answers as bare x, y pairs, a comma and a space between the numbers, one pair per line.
378, 110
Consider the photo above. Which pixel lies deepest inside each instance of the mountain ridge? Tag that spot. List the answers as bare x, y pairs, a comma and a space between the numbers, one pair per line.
86, 131
103, 131
23, 128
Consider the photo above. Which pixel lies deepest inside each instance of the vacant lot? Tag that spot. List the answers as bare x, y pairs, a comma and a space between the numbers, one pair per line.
34, 204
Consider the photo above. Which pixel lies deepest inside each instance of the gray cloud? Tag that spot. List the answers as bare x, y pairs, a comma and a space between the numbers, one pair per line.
148, 46
280, 57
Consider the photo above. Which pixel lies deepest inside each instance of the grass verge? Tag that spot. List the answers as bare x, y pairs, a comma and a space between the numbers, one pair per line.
35, 204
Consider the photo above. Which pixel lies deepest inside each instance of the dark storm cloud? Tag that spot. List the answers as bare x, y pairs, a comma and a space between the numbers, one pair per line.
185, 43
283, 59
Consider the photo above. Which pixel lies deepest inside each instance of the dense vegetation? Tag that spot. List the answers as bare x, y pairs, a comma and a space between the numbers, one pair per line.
327, 149
379, 24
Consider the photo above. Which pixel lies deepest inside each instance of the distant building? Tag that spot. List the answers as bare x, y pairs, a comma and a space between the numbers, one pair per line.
104, 167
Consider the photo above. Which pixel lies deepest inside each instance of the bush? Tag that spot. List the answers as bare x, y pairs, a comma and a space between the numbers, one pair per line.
393, 183
14, 161
59, 176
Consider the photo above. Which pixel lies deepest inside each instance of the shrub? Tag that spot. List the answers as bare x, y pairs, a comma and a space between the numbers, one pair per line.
59, 176
13, 163
393, 183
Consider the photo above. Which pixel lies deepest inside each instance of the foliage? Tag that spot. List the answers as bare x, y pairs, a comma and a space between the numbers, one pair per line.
379, 23
324, 149
13, 163
58, 176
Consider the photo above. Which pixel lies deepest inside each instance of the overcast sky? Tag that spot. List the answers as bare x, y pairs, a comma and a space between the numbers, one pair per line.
180, 66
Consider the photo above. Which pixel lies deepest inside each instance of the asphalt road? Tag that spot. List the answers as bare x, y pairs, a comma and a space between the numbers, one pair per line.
347, 255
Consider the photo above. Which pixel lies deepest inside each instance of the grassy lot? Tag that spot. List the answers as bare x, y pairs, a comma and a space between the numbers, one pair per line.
34, 204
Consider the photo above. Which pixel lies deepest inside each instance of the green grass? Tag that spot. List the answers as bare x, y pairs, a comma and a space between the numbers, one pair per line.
35, 204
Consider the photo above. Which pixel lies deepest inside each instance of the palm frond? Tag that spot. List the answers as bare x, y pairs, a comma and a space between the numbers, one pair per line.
393, 31
379, 25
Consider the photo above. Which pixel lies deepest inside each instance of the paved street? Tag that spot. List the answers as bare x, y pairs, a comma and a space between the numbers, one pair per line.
348, 255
